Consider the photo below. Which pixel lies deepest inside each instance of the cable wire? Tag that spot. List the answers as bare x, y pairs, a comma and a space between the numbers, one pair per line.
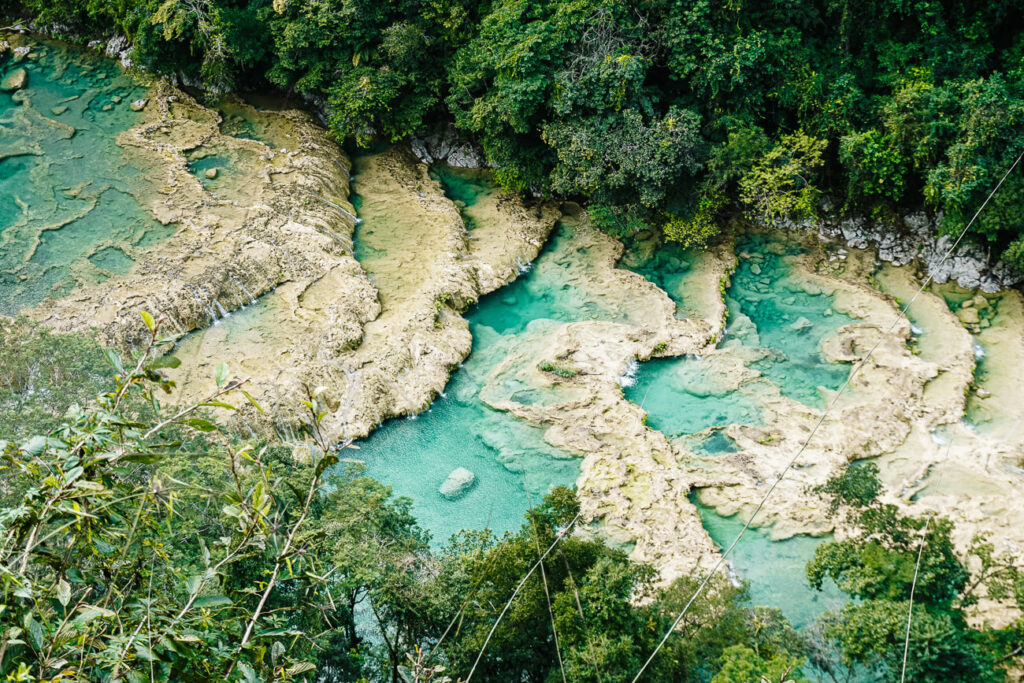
910, 608
515, 593
853, 372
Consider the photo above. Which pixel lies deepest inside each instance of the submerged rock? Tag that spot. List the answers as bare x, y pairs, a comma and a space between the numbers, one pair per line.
211, 173
801, 324
16, 80
458, 483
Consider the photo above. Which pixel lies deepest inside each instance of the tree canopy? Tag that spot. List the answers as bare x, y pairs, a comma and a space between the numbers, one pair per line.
660, 112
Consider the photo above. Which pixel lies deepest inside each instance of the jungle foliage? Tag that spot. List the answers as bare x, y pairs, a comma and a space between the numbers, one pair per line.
665, 112
891, 557
142, 543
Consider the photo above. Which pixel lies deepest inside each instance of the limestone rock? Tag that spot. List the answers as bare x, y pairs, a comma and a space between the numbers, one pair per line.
801, 324
466, 156
458, 483
59, 109
211, 173
16, 80
419, 148
119, 48
139, 104
969, 316
448, 147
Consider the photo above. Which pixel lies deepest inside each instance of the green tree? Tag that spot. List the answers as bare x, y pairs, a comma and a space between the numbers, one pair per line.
878, 566
782, 183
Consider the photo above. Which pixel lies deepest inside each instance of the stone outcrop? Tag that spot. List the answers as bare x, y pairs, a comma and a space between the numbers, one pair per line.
418, 270
917, 237
15, 80
449, 148
458, 483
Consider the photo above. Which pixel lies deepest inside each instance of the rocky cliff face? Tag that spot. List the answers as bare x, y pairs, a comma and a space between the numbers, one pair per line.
916, 236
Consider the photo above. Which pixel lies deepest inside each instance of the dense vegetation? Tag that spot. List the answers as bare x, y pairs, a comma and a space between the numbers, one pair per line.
659, 112
141, 543
136, 549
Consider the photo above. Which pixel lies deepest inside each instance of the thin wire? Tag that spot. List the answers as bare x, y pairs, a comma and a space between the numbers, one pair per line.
910, 608
821, 419
544, 577
508, 604
472, 590
583, 619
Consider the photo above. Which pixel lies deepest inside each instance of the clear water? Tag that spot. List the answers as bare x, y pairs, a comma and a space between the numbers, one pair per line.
769, 309
70, 201
669, 266
555, 287
683, 396
715, 443
977, 414
774, 570
787, 319
463, 185
513, 464
234, 166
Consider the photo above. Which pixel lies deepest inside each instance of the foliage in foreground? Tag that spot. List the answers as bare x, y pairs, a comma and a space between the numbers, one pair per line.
126, 556
133, 550
876, 567
138, 545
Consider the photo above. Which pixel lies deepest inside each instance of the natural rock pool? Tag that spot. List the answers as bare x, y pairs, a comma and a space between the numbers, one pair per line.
72, 202
669, 386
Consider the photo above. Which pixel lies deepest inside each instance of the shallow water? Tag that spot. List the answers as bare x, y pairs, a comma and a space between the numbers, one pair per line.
787, 318
464, 186
774, 570
683, 396
554, 287
514, 466
768, 309
669, 266
70, 201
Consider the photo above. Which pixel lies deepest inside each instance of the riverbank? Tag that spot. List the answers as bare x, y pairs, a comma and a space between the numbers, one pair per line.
306, 279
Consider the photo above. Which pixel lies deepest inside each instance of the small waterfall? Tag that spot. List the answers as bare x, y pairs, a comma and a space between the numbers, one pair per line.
243, 288
211, 315
628, 378
223, 312
337, 206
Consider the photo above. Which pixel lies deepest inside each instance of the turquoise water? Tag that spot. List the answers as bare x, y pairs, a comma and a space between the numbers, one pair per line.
774, 570
463, 185
787, 319
514, 467
554, 288
70, 208
669, 267
770, 313
769, 310
685, 395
